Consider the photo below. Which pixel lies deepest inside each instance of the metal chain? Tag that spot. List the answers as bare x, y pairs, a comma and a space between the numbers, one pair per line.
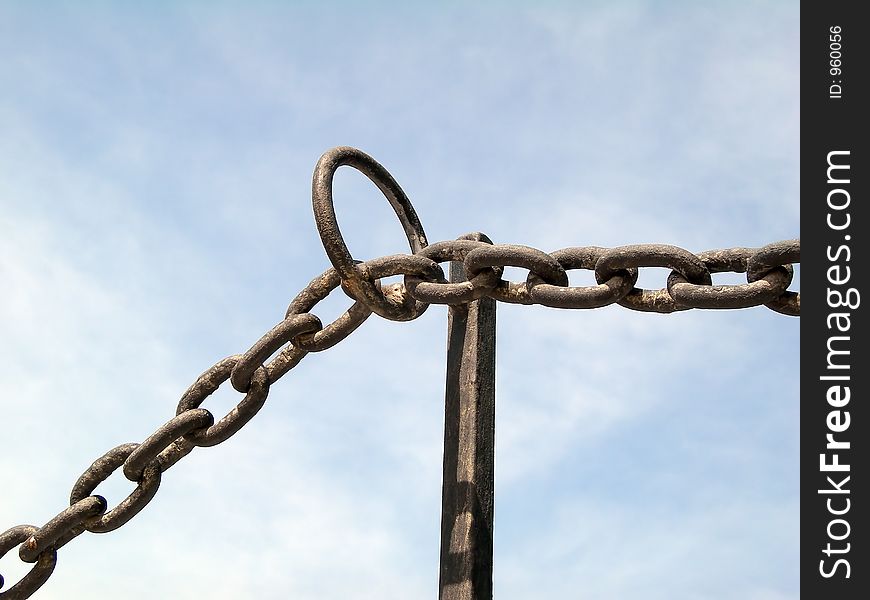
768, 270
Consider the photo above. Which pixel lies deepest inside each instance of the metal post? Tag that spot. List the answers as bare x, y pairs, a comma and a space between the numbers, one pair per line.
469, 448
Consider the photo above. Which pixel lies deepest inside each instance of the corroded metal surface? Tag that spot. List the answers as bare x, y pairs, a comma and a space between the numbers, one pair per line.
333, 242
468, 484
471, 293
39, 573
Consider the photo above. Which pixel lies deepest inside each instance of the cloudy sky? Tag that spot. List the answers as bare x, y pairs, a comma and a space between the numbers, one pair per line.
155, 166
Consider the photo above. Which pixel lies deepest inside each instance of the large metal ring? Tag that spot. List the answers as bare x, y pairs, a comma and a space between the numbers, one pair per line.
443, 292
512, 255
769, 257
608, 291
731, 260
652, 255
206, 384
39, 573
327, 225
98, 472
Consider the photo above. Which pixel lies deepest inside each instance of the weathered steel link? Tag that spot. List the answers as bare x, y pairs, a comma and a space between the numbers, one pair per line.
98, 472
511, 255
206, 384
66, 521
652, 255
161, 440
768, 270
395, 293
64, 527
770, 257
280, 334
327, 337
442, 292
766, 289
611, 290
39, 573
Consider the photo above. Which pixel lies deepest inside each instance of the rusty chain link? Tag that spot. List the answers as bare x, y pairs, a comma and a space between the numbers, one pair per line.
768, 270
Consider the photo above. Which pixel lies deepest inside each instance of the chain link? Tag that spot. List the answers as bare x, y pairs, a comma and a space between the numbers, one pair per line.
608, 290
40, 572
768, 270
99, 471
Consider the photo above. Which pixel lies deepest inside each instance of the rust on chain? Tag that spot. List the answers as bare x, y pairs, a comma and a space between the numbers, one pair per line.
401, 264
333, 243
98, 472
39, 573
453, 292
343, 326
769, 257
252, 360
161, 440
476, 281
66, 521
609, 290
512, 255
206, 384
767, 288
652, 255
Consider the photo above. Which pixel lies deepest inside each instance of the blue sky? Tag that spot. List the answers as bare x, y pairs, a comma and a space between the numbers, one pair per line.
155, 216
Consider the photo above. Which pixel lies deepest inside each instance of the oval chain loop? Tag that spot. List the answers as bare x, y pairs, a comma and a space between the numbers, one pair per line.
343, 326
67, 521
39, 573
98, 472
442, 292
152, 448
396, 293
733, 260
652, 255
609, 291
511, 255
769, 257
206, 384
354, 282
266, 346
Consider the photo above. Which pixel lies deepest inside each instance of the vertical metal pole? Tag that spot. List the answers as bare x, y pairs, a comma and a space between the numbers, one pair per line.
467, 493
